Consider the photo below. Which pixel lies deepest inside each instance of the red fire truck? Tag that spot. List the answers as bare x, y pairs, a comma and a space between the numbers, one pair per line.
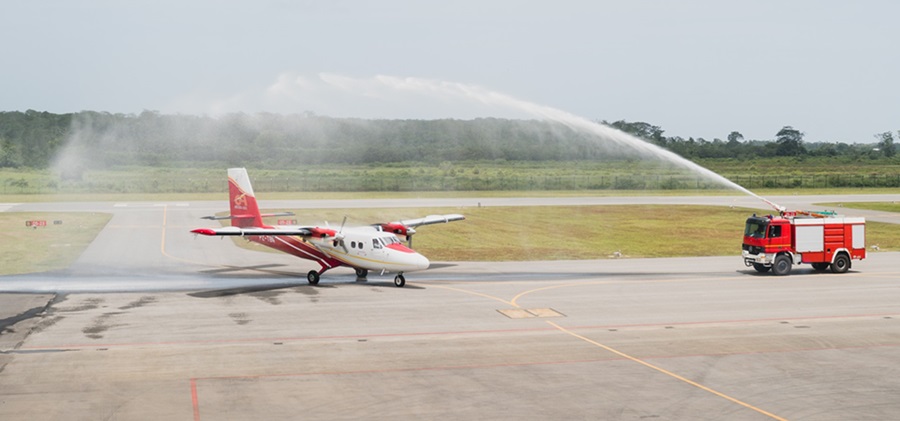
823, 239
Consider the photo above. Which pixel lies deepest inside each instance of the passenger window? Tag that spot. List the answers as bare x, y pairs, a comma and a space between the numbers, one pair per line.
353, 244
775, 231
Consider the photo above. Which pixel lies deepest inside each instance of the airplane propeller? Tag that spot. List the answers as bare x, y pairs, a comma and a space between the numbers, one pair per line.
409, 235
341, 231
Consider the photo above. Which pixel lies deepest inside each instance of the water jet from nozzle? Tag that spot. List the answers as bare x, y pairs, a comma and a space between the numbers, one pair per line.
481, 95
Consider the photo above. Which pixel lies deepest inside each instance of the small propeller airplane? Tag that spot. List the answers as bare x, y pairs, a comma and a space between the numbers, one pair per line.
374, 247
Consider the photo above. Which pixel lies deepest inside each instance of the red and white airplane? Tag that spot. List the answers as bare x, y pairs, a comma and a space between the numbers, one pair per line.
373, 247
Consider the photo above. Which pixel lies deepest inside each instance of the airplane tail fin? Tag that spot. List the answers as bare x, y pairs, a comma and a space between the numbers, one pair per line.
244, 210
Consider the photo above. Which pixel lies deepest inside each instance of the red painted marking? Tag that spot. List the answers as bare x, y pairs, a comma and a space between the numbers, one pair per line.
195, 400
204, 231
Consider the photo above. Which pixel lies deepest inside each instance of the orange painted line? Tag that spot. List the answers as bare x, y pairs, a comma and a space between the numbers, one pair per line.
478, 294
668, 373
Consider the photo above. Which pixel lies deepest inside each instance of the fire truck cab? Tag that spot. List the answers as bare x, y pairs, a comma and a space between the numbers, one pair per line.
777, 243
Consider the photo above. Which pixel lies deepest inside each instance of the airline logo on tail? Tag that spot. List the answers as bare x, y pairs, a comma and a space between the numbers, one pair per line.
240, 202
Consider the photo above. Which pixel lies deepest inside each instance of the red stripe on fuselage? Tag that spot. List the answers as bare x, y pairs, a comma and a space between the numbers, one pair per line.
400, 247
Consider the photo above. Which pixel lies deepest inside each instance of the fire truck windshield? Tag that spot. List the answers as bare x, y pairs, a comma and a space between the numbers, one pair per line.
756, 227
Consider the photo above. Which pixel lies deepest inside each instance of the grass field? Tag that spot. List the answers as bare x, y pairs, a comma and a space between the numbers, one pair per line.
488, 234
25, 249
876, 206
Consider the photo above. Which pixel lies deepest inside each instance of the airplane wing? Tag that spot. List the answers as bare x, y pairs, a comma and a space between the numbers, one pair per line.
293, 231
431, 219
407, 227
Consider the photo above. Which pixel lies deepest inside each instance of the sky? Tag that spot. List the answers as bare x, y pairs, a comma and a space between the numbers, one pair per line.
701, 68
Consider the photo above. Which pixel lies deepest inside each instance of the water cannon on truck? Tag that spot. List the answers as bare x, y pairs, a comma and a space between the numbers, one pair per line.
822, 239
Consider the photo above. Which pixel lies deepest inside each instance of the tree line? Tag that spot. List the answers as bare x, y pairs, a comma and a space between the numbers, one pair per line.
787, 141
91, 139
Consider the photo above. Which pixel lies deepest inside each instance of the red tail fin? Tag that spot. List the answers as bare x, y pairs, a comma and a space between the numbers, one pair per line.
244, 210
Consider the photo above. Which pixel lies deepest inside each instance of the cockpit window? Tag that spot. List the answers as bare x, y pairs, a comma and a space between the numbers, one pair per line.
756, 228
382, 242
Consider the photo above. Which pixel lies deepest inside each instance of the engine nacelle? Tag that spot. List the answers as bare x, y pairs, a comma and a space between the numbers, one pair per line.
318, 232
398, 229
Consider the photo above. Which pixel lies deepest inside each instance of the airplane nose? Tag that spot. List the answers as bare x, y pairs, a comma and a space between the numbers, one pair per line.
421, 262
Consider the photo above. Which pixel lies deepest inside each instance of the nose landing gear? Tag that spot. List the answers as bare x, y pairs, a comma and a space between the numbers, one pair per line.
399, 280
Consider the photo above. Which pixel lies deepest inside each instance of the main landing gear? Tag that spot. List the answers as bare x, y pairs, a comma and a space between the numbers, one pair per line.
312, 277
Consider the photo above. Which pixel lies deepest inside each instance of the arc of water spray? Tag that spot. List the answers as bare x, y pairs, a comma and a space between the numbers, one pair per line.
475, 93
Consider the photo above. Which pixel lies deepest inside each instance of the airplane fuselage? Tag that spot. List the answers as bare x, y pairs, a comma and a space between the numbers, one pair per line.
361, 248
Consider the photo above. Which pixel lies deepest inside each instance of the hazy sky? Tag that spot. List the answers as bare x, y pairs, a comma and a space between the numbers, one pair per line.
697, 68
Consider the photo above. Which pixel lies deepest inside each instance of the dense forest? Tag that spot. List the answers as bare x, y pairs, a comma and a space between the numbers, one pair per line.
95, 140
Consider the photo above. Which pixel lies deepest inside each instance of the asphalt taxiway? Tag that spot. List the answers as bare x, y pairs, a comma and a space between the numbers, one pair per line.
152, 324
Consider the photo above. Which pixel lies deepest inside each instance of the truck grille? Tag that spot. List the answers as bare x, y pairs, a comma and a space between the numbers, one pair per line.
752, 249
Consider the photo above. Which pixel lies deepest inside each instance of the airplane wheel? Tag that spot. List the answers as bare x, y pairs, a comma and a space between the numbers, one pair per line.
362, 273
313, 277
399, 281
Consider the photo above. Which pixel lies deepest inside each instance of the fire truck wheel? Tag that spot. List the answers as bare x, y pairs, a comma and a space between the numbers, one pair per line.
761, 268
820, 267
782, 265
841, 263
